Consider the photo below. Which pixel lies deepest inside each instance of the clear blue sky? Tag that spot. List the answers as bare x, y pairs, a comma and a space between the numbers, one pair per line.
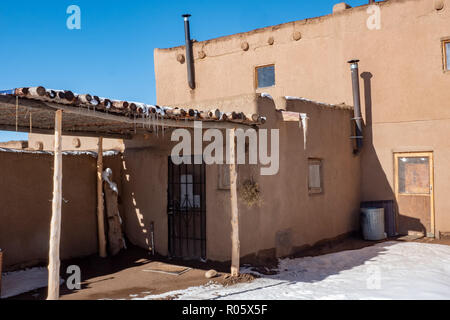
112, 54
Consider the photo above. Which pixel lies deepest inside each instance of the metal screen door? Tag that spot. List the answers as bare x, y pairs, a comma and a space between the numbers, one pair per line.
187, 211
414, 193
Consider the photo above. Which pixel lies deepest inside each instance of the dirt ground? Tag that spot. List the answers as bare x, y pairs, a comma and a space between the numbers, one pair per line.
127, 275
445, 241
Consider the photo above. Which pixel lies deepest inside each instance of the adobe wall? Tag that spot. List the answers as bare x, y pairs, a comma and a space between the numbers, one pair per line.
289, 217
384, 139
404, 59
72, 143
403, 83
26, 193
144, 196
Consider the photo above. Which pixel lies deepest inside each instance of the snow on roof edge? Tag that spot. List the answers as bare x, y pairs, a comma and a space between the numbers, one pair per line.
108, 153
342, 105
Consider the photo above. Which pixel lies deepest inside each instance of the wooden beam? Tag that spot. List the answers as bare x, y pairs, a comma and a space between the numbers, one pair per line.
182, 123
55, 226
235, 244
11, 101
66, 132
100, 206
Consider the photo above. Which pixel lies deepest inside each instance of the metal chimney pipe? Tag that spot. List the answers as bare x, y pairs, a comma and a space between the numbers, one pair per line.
189, 52
357, 104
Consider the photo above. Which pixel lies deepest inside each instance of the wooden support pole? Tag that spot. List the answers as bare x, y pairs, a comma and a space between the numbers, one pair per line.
100, 205
55, 226
235, 244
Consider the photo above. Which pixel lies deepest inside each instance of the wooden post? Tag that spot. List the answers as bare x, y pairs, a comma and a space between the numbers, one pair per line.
100, 206
55, 226
235, 245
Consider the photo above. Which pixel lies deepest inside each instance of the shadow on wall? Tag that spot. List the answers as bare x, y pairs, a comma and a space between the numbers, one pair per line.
144, 197
374, 183
133, 216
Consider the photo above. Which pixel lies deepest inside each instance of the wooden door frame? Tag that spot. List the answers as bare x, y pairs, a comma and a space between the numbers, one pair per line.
428, 154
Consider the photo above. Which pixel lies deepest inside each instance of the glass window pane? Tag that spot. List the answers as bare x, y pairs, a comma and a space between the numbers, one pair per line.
224, 177
266, 76
447, 52
414, 175
186, 191
314, 176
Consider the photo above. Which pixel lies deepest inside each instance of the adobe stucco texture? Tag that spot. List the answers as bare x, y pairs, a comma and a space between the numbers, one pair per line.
26, 189
403, 82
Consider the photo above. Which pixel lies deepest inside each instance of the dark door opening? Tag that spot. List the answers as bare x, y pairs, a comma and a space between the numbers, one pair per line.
186, 209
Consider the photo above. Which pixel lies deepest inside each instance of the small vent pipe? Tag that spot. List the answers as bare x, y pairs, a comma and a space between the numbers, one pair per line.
189, 52
357, 105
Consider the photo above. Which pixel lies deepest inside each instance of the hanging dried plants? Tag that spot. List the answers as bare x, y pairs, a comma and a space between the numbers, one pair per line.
250, 193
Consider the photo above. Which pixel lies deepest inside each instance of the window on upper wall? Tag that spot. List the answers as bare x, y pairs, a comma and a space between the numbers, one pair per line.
446, 48
315, 176
265, 76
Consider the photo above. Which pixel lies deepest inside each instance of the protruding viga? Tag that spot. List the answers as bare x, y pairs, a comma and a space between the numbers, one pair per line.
439, 4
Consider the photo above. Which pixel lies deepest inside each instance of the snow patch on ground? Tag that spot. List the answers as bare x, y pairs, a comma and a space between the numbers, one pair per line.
390, 270
18, 282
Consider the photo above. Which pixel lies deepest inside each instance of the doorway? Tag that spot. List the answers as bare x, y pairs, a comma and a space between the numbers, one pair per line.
186, 210
414, 191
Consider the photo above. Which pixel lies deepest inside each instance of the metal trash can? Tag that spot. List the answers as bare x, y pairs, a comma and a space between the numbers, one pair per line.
390, 214
372, 223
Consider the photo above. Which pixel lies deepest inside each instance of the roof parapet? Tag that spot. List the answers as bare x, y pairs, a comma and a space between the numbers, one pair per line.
339, 7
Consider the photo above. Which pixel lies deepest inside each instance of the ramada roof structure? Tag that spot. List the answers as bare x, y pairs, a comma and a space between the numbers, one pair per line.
32, 110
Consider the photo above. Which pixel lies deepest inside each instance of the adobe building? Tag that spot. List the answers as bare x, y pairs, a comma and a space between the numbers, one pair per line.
404, 52
293, 78
184, 211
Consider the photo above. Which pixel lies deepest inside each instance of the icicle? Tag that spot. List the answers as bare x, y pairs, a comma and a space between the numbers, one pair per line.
162, 121
304, 125
17, 113
153, 122
157, 118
